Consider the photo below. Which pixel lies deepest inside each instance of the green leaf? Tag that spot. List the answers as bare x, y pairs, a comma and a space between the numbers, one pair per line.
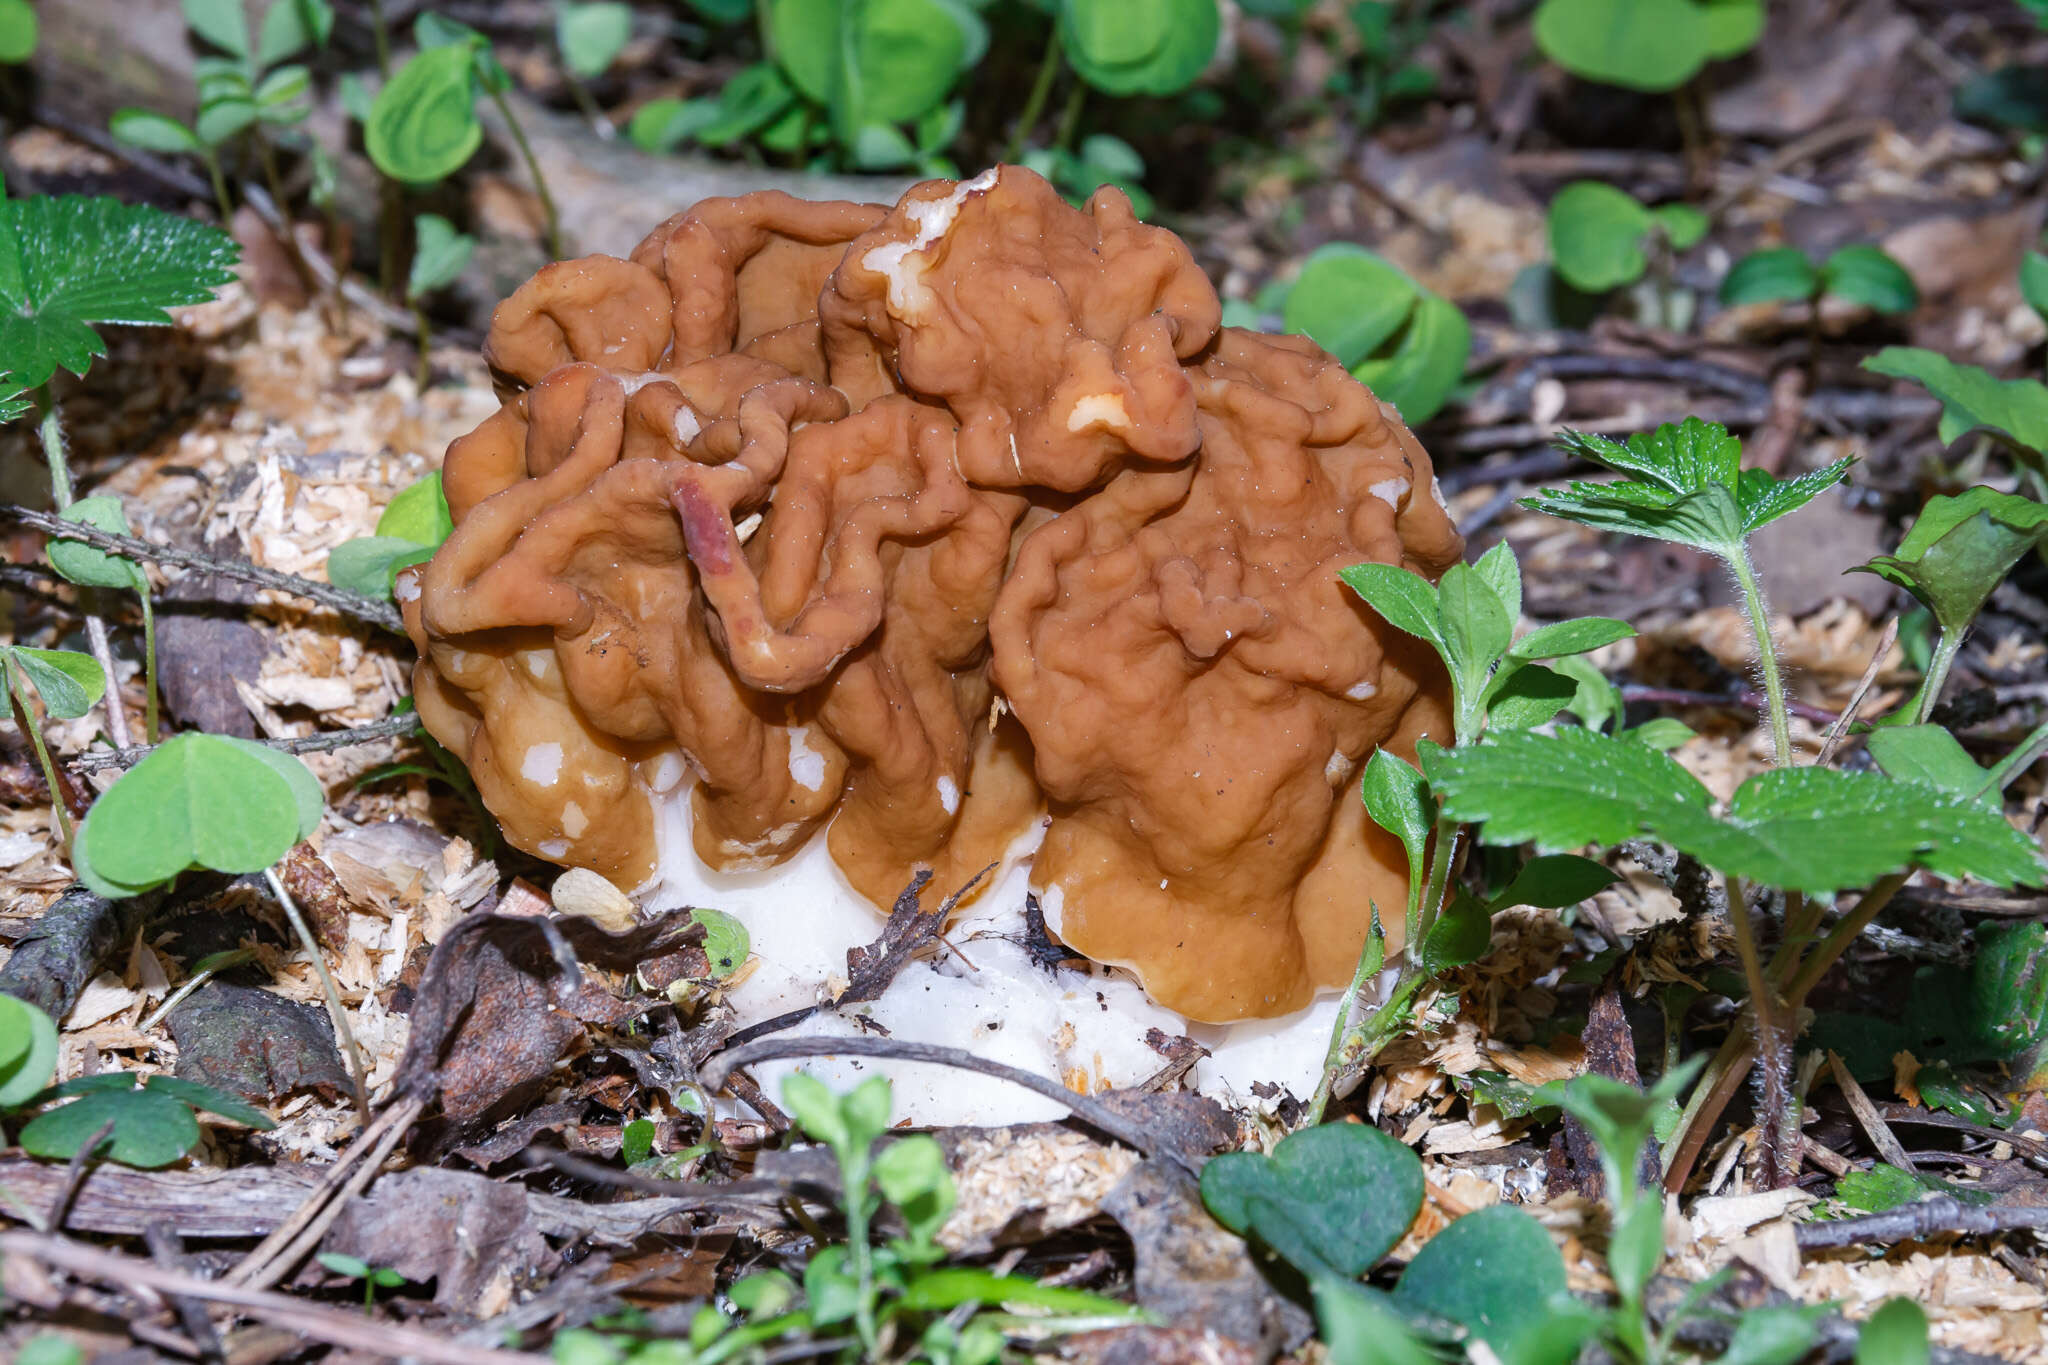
439, 255
592, 36
292, 26
18, 34
1653, 45
1597, 699
1683, 225
1868, 275
152, 132
1896, 1334
1348, 301
881, 147
1555, 881
422, 125
370, 564
70, 684
1404, 599
308, 800
912, 1175
1114, 159
212, 1101
1461, 934
1622, 1120
751, 99
1596, 236
2034, 282
1930, 754
663, 124
1663, 733
225, 118
1880, 1189
195, 801
70, 263
833, 1295
1580, 636
220, 22
1960, 549
636, 1141
349, 1267
726, 942
1822, 829
764, 1293
1329, 1200
1636, 1247
2014, 408
1779, 274
1773, 1336
1494, 1272
1733, 26
815, 1108
2007, 1002
94, 568
1426, 364
48, 1348
1559, 791
150, 1128
1523, 696
34, 1037
1499, 568
1398, 801
1475, 624
1139, 47
12, 404
283, 85
1360, 1327
865, 1110
939, 1291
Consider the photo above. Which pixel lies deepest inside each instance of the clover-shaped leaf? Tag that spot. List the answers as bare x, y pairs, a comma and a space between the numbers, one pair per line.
1686, 485
28, 1051
196, 801
95, 568
1495, 1272
1329, 1200
423, 125
411, 528
70, 263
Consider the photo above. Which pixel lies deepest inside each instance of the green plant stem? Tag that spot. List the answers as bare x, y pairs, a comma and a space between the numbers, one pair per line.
335, 1011
1846, 931
380, 32
1070, 117
2023, 756
150, 717
268, 156
424, 375
1034, 103
193, 983
24, 717
1772, 1025
854, 1172
50, 431
1946, 647
1766, 651
540, 184
225, 205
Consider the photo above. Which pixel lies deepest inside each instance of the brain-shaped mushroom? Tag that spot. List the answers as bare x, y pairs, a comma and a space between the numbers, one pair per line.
922, 527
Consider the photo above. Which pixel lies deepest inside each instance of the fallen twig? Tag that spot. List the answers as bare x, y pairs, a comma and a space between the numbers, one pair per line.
241, 570
320, 742
1096, 1115
1881, 1137
1745, 700
1919, 1221
351, 1330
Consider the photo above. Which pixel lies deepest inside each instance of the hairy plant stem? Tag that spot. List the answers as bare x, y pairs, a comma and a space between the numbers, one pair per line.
50, 431
1034, 103
335, 1010
24, 717
1766, 652
540, 184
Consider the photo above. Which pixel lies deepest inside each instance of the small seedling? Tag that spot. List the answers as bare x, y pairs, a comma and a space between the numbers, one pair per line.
1602, 239
412, 527
1860, 274
1896, 1334
373, 1277
590, 38
1100, 160
70, 685
1406, 344
857, 72
1651, 45
439, 255
1150, 49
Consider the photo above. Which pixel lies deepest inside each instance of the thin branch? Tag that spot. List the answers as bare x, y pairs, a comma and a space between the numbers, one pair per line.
241, 570
1920, 1221
1096, 1115
319, 742
351, 1330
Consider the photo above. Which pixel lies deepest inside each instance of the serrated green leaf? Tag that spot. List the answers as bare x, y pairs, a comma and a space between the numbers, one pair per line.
1764, 498
1579, 636
1597, 235
212, 1101
1708, 520
1867, 274
13, 403
1559, 791
1329, 1200
77, 262
152, 132
94, 568
1820, 829
591, 36
439, 255
1404, 599
220, 22
70, 684
422, 126
1971, 398
1555, 881
1778, 274
34, 1033
1348, 301
150, 1129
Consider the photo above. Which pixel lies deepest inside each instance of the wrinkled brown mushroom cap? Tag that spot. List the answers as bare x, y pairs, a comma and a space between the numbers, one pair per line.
916, 526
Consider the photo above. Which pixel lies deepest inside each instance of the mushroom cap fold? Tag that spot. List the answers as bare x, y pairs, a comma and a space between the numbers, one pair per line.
930, 528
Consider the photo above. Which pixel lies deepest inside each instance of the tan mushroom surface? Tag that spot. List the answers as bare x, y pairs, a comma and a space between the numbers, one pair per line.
928, 532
